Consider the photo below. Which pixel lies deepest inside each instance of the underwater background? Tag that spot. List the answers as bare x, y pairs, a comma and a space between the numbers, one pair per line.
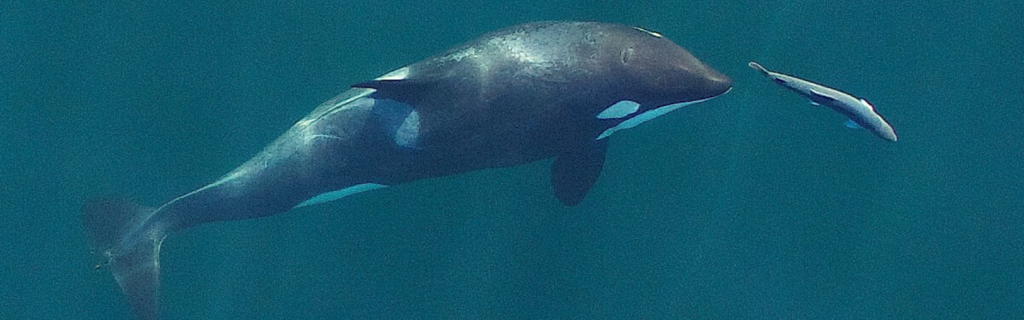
753, 205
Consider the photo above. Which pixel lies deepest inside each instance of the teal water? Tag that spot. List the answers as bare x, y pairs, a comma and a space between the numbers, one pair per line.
752, 205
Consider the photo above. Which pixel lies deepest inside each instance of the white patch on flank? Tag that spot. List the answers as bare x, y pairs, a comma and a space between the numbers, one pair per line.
619, 109
409, 130
338, 194
647, 115
399, 74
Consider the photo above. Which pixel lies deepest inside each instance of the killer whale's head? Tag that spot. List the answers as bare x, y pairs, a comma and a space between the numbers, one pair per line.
658, 76
661, 72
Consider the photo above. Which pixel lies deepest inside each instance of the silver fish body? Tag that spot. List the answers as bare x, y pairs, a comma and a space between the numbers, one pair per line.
859, 111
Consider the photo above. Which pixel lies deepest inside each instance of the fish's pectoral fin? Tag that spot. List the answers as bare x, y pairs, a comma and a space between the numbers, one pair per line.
575, 171
852, 124
818, 97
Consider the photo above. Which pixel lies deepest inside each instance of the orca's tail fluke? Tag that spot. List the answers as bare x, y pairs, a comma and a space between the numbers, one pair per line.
126, 235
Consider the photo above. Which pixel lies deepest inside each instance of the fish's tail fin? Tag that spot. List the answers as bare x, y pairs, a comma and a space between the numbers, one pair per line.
124, 233
758, 67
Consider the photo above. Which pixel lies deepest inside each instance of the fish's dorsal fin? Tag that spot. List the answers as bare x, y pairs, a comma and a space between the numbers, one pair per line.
866, 104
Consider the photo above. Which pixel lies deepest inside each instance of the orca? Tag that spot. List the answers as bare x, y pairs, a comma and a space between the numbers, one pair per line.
530, 92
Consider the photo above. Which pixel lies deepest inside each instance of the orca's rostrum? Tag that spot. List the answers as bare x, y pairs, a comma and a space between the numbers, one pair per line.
529, 92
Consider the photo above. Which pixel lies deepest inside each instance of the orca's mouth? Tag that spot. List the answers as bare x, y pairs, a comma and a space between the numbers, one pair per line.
715, 84
645, 116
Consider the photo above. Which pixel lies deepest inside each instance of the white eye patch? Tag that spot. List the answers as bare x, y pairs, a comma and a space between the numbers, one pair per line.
619, 109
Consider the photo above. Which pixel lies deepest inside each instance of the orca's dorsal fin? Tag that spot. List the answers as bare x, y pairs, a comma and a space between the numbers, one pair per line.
575, 171
408, 91
404, 84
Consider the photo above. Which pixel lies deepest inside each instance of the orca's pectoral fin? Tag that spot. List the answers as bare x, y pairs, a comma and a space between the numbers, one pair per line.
135, 263
576, 171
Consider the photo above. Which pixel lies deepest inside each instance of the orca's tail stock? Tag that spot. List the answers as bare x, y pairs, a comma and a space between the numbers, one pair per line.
129, 239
